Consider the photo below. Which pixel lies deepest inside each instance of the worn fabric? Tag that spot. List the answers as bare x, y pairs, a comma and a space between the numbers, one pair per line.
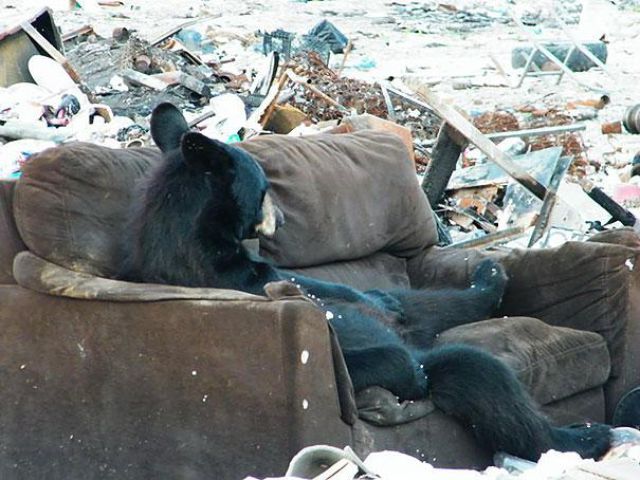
443, 267
380, 270
552, 362
444, 442
42, 276
378, 406
72, 201
344, 197
339, 194
10, 241
581, 285
196, 389
626, 236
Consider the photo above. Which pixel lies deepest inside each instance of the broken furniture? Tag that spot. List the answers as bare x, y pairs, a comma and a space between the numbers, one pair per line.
108, 378
456, 132
569, 48
17, 47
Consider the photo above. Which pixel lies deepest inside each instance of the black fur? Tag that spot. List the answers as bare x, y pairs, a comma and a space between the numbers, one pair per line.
207, 197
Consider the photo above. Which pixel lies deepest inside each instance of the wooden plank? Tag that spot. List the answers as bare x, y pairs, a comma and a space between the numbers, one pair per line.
138, 78
387, 100
486, 146
444, 158
54, 53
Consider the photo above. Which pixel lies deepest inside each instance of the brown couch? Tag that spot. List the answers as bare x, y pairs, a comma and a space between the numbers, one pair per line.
108, 379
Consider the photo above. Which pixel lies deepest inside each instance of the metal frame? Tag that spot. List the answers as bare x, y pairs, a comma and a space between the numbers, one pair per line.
531, 70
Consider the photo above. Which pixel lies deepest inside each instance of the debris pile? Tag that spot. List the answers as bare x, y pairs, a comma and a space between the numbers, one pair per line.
502, 169
321, 462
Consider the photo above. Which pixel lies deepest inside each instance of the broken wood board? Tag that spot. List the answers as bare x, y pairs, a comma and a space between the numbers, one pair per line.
17, 47
475, 198
141, 79
466, 128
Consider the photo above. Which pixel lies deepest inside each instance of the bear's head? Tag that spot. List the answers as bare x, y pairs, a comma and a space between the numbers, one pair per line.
228, 184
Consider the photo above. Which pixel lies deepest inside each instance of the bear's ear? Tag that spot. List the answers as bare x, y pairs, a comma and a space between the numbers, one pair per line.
167, 126
204, 153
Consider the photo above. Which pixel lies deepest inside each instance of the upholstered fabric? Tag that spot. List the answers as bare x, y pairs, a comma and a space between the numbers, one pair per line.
175, 389
552, 362
344, 197
71, 203
42, 276
10, 241
380, 270
582, 285
339, 194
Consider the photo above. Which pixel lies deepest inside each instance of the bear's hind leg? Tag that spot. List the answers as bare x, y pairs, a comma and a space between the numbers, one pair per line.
428, 312
388, 366
485, 394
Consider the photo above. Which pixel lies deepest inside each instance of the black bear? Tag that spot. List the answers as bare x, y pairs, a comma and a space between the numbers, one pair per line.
205, 197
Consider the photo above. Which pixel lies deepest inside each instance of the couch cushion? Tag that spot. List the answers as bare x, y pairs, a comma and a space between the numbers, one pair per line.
10, 241
71, 203
343, 197
380, 270
553, 362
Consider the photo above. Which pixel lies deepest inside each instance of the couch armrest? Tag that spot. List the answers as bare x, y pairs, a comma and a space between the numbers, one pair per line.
10, 241
581, 285
174, 388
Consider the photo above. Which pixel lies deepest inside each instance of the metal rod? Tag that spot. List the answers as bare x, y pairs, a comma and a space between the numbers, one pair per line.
577, 44
534, 132
551, 56
387, 100
491, 238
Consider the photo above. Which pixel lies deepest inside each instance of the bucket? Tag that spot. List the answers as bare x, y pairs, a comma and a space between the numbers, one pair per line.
631, 119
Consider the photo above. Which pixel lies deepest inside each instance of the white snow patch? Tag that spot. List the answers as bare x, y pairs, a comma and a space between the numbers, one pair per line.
304, 357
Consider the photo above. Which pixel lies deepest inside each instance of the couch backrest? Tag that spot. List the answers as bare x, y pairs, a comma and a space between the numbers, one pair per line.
10, 241
71, 204
344, 197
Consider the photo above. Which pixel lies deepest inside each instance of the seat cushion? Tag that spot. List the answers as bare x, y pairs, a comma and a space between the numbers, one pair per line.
553, 362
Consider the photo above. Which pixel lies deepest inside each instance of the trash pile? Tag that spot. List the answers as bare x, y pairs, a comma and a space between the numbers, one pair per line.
321, 462
520, 176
